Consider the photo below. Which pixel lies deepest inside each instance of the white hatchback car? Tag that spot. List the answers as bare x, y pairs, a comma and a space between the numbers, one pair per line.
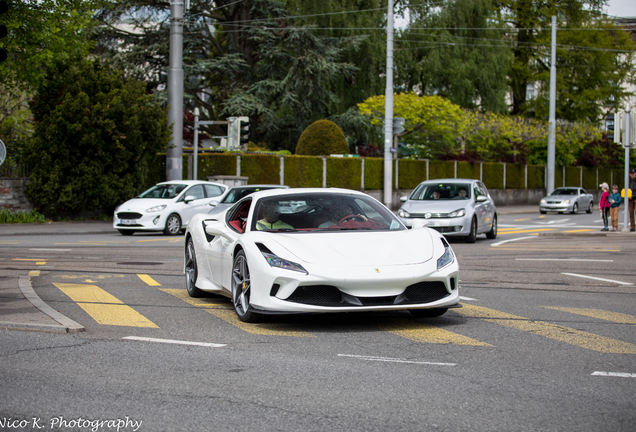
166, 207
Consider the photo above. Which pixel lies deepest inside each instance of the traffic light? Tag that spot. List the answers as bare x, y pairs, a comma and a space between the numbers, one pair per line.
4, 8
398, 125
244, 130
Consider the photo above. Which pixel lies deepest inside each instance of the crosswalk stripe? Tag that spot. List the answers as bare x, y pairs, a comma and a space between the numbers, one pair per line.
616, 317
563, 334
103, 307
223, 310
426, 333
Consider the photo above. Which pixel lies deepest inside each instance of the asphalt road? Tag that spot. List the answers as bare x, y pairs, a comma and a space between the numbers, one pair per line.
545, 341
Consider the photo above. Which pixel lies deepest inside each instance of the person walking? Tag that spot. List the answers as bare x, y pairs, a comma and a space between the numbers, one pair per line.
604, 205
631, 201
615, 202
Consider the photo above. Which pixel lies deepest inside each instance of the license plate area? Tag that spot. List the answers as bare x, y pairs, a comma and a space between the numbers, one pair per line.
128, 221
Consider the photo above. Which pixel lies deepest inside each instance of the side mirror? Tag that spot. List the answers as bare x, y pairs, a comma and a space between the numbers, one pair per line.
403, 198
214, 203
481, 198
188, 199
419, 223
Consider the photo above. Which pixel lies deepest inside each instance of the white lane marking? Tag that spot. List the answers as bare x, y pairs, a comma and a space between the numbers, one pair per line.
170, 341
394, 360
615, 374
467, 298
562, 259
512, 240
52, 250
596, 278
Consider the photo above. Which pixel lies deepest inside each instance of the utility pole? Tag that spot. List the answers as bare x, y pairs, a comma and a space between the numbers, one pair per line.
552, 125
627, 143
174, 153
388, 110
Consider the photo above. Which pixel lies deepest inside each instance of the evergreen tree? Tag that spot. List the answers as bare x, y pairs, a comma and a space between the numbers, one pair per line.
96, 139
455, 50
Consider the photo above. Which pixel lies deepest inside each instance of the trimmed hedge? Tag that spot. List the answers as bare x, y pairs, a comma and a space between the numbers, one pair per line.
536, 177
515, 176
344, 173
468, 170
261, 169
411, 173
210, 164
441, 169
493, 175
303, 171
573, 176
373, 173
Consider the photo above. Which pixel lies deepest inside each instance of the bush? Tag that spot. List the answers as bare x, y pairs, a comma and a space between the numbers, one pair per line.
96, 139
322, 138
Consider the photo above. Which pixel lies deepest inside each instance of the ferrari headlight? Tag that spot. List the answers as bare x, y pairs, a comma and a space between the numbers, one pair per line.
457, 213
447, 258
276, 261
403, 213
156, 208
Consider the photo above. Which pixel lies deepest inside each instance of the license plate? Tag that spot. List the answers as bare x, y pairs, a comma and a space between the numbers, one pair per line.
127, 221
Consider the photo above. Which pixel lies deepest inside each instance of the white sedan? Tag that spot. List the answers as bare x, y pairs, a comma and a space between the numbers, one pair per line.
166, 207
331, 250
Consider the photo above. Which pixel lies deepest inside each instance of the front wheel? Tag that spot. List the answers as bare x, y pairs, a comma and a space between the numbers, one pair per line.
492, 234
242, 290
173, 225
472, 237
575, 208
590, 207
191, 271
428, 313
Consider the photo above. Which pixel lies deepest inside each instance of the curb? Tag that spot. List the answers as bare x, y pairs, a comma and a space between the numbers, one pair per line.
67, 325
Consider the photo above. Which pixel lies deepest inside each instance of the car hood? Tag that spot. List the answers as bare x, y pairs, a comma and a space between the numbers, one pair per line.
356, 248
560, 197
438, 206
219, 208
143, 204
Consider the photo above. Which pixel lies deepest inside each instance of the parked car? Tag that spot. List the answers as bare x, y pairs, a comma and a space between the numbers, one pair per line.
299, 262
238, 192
567, 199
166, 207
454, 207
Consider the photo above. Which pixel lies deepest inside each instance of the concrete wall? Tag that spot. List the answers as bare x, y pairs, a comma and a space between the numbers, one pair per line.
12, 195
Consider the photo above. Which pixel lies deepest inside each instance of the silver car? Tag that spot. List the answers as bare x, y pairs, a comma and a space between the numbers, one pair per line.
567, 199
454, 207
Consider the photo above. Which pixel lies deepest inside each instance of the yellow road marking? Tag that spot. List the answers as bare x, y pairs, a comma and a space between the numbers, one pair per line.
616, 317
552, 331
222, 309
541, 217
172, 239
521, 220
26, 259
522, 231
40, 263
34, 273
426, 333
103, 307
150, 281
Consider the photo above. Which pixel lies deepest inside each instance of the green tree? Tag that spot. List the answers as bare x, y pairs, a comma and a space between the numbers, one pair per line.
248, 58
41, 32
322, 138
96, 137
455, 50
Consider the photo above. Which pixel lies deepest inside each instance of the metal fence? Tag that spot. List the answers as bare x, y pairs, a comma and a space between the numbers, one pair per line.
15, 171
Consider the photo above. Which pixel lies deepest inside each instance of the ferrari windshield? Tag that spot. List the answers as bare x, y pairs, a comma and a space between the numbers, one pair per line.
167, 191
323, 212
441, 191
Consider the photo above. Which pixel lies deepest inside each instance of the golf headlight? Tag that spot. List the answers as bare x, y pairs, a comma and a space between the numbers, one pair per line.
447, 258
457, 213
156, 208
276, 261
403, 213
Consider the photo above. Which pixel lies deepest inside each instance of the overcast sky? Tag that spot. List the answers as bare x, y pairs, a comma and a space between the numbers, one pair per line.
622, 8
